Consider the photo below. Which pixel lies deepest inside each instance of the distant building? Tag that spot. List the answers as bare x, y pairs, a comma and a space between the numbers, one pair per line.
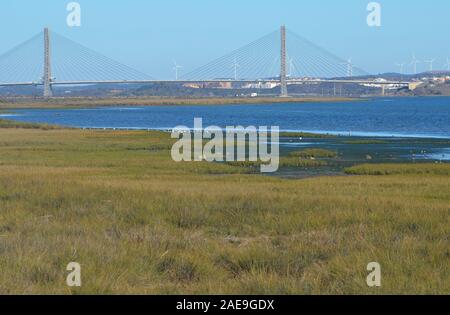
260, 85
386, 86
193, 85
209, 85
440, 80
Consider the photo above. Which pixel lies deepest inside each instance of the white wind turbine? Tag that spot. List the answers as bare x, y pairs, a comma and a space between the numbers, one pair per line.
176, 68
430, 62
414, 63
401, 65
447, 64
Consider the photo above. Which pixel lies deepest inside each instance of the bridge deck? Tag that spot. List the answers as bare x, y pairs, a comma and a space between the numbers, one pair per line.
340, 81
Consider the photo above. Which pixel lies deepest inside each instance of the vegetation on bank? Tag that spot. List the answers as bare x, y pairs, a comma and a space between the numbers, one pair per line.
5, 123
139, 223
254, 167
60, 102
400, 169
305, 158
313, 153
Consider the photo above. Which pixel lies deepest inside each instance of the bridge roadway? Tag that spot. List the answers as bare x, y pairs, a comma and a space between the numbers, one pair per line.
299, 81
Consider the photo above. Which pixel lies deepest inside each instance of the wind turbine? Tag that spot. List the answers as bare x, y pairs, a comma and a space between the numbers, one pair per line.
401, 65
447, 64
430, 62
176, 68
414, 63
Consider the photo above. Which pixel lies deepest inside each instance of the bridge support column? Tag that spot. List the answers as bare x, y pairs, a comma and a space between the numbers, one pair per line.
47, 78
283, 72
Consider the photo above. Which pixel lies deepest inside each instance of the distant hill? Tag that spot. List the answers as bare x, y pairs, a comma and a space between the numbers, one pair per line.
428, 88
408, 77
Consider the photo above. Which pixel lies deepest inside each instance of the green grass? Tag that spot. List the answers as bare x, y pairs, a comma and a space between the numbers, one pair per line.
5, 123
400, 169
83, 102
286, 161
313, 153
139, 223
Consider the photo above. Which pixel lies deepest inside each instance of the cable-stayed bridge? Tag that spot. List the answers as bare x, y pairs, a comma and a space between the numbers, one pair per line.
280, 58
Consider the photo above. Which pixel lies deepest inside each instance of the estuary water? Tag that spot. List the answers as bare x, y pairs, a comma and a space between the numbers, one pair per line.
427, 117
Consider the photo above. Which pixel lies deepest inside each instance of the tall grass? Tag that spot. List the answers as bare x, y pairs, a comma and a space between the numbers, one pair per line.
313, 153
396, 169
4, 123
63, 102
139, 223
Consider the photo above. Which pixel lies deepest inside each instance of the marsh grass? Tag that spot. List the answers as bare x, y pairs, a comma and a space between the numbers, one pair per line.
286, 161
5, 123
401, 169
139, 223
64, 102
316, 153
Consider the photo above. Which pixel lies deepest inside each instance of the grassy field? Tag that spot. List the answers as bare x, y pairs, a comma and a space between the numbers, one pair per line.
62, 102
139, 223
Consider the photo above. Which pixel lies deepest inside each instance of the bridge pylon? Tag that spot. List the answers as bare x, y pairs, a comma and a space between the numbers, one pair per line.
47, 77
283, 70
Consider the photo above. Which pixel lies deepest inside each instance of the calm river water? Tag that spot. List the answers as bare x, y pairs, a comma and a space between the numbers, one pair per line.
405, 117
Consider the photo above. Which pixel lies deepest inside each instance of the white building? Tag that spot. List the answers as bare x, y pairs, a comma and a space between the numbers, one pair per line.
260, 85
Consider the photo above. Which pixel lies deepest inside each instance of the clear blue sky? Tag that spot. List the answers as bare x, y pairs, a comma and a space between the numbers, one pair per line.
148, 34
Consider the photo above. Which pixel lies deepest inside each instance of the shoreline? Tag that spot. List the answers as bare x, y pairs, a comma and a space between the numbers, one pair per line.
7, 120
300, 133
293, 133
348, 150
84, 102
13, 114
